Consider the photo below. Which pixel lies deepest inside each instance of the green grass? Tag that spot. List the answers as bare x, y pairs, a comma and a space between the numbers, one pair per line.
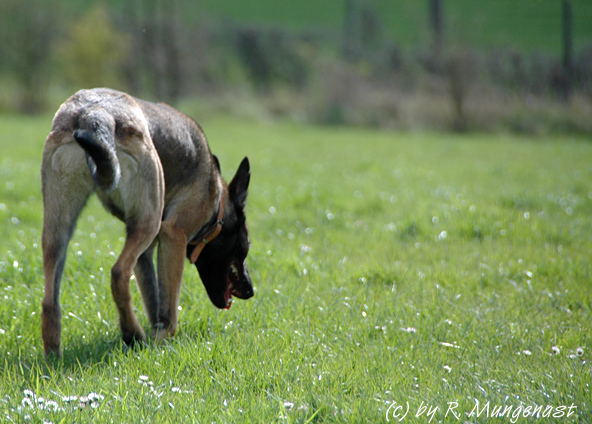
389, 267
524, 24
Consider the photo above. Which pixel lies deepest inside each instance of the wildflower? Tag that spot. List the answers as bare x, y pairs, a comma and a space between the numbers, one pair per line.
555, 350
580, 351
51, 405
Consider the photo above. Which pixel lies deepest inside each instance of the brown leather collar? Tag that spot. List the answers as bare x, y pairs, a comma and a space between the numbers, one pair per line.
209, 235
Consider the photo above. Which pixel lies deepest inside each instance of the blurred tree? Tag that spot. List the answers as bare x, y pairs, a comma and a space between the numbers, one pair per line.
153, 66
132, 19
251, 50
351, 33
460, 73
27, 31
371, 32
94, 53
162, 22
567, 49
362, 32
436, 20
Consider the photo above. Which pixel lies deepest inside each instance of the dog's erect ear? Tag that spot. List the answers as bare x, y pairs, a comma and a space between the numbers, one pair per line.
216, 162
237, 189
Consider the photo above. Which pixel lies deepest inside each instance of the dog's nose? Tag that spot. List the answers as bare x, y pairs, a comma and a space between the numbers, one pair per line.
247, 284
248, 292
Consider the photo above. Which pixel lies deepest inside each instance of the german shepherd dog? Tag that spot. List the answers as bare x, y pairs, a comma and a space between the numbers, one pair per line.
152, 168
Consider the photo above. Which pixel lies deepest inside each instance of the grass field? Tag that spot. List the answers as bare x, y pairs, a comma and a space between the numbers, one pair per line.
526, 24
391, 269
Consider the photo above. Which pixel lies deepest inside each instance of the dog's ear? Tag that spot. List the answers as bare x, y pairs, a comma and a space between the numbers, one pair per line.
216, 162
237, 189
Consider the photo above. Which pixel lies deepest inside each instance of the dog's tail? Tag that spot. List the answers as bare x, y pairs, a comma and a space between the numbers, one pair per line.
101, 155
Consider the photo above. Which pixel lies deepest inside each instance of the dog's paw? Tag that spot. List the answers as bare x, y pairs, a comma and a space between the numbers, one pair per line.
159, 333
133, 337
52, 353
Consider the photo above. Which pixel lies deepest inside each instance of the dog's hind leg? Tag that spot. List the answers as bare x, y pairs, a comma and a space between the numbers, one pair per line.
141, 196
138, 240
146, 276
66, 186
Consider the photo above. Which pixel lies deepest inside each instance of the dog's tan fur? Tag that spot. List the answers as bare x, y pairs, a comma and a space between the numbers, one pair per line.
155, 215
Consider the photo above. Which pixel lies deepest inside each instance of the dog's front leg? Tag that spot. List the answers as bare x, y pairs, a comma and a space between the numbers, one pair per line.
172, 244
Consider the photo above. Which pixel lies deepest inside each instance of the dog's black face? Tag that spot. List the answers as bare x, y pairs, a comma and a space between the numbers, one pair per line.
221, 264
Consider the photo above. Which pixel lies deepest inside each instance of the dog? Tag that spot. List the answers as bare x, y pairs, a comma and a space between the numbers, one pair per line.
151, 167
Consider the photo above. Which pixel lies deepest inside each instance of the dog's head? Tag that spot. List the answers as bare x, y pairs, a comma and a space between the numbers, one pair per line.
221, 264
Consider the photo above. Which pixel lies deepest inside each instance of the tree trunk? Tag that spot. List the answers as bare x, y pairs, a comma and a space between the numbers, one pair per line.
351, 36
567, 50
437, 28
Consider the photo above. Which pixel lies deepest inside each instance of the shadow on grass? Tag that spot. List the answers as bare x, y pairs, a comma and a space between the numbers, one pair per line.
91, 351
100, 350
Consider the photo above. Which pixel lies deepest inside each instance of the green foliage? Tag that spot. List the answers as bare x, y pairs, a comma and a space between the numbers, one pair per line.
351, 62
27, 31
524, 25
94, 54
272, 57
388, 267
